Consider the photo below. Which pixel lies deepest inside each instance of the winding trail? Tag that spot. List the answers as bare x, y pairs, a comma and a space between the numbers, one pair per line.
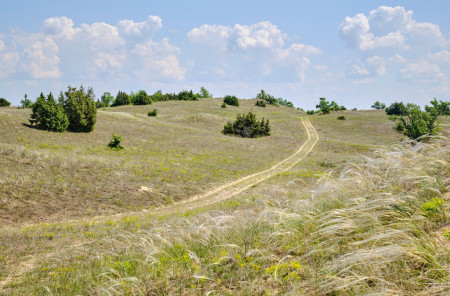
220, 193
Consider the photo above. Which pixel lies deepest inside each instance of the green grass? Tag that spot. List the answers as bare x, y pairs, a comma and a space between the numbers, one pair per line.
346, 220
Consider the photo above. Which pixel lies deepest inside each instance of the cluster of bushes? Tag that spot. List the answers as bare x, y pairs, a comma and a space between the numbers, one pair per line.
414, 122
142, 98
75, 111
378, 105
4, 103
262, 95
247, 126
231, 100
326, 107
260, 103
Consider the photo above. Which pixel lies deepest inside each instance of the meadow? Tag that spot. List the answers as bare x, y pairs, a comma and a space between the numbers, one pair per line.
81, 219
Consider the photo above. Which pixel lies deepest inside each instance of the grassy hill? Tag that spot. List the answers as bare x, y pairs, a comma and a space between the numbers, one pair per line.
346, 220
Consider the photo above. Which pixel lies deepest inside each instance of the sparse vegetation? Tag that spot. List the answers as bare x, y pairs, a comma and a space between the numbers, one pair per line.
247, 126
231, 100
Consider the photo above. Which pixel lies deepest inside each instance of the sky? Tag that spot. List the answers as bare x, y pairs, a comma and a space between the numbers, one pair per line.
351, 51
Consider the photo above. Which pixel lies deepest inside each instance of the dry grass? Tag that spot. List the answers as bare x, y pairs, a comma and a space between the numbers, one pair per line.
180, 153
324, 227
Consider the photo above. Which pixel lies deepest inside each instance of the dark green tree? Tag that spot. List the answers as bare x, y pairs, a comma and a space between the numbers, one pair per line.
4, 103
79, 105
378, 105
397, 109
49, 115
115, 141
141, 98
231, 100
260, 103
247, 126
187, 96
324, 106
122, 98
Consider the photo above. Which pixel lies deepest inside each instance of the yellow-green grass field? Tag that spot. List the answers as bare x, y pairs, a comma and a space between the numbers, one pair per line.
346, 220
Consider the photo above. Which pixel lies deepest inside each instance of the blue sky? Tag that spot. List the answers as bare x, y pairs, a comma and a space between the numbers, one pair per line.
353, 52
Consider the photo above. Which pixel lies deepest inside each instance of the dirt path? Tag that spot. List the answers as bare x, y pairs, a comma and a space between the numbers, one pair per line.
212, 196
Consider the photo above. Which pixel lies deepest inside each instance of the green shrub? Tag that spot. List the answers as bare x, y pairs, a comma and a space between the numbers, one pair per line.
432, 208
397, 109
153, 112
231, 100
262, 95
141, 98
324, 106
341, 118
79, 105
377, 105
204, 93
187, 96
26, 103
4, 103
115, 142
106, 100
310, 112
441, 107
223, 105
260, 103
49, 115
122, 98
416, 123
247, 126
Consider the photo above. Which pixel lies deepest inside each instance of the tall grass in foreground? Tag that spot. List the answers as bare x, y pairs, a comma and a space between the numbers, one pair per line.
360, 234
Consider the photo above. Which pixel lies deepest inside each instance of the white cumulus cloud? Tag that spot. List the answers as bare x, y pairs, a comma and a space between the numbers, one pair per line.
388, 27
248, 52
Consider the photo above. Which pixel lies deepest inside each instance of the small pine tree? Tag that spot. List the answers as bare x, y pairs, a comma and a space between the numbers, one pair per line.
79, 105
247, 126
106, 100
49, 115
122, 98
153, 112
115, 142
